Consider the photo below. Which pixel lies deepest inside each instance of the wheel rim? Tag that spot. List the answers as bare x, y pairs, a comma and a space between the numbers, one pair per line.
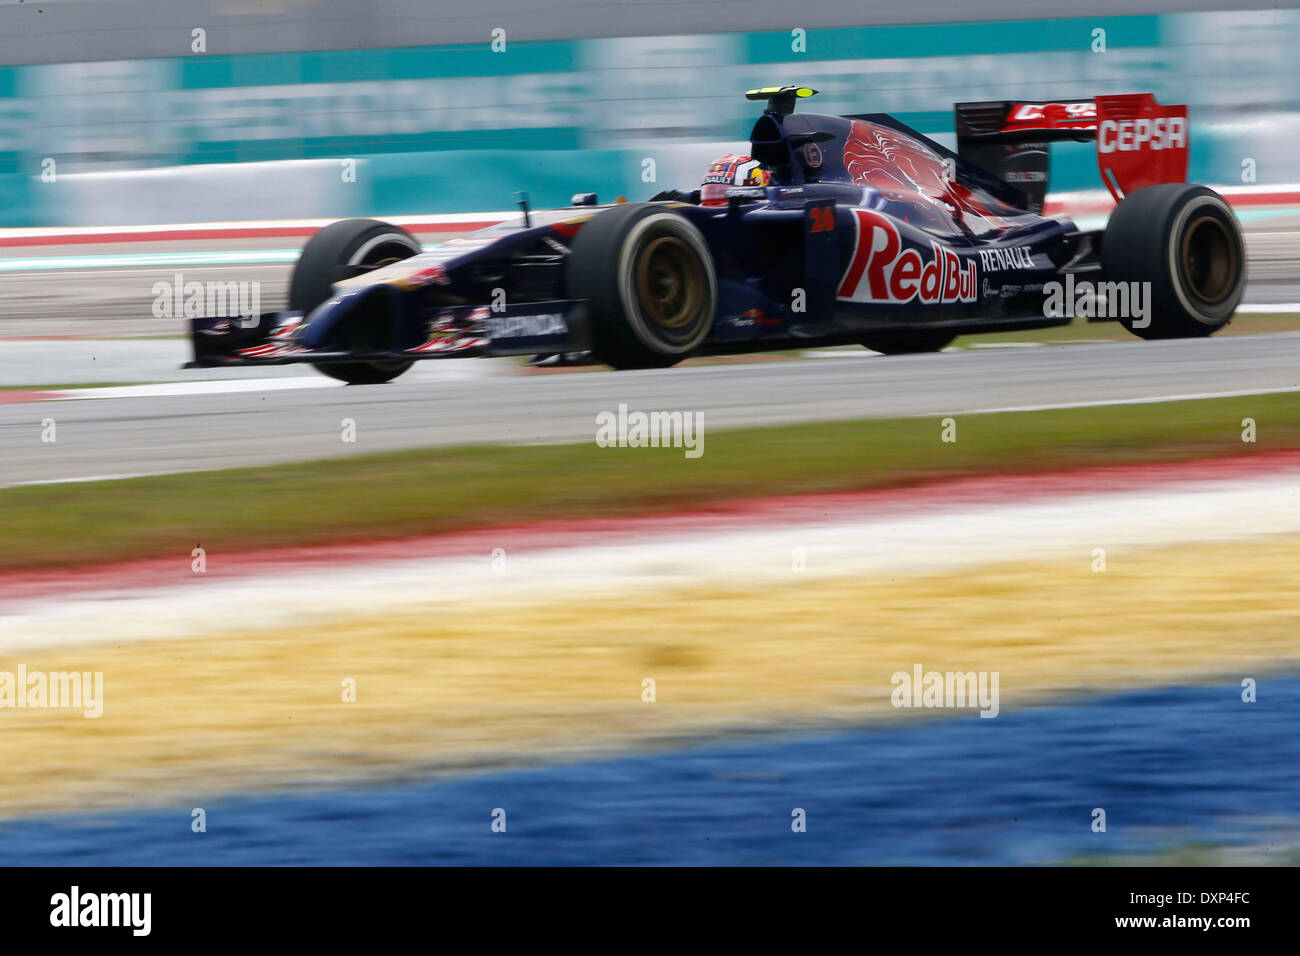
1209, 260
670, 284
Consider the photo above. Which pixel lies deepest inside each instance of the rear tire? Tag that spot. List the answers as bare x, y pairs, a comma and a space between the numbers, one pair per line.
1186, 242
910, 342
341, 250
648, 278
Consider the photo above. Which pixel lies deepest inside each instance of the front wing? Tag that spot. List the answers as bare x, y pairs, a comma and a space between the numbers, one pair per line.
278, 338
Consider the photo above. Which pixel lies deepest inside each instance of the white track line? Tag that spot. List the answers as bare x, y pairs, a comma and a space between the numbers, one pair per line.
210, 387
1098, 403
217, 227
78, 480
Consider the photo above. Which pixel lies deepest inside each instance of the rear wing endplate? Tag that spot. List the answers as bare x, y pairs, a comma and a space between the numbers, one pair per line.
1139, 142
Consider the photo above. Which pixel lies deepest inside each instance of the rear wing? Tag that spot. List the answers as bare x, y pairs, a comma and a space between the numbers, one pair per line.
1139, 142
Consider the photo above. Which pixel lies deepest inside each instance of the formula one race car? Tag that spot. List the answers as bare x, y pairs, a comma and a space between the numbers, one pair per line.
859, 230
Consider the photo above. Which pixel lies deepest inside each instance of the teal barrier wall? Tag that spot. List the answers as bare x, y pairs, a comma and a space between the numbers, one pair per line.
438, 129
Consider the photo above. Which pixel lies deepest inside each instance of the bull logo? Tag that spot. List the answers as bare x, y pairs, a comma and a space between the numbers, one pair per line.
885, 159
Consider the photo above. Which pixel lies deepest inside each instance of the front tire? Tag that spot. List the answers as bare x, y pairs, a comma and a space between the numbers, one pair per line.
341, 250
1185, 241
649, 281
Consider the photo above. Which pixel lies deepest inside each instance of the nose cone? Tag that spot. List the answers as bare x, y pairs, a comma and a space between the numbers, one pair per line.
355, 317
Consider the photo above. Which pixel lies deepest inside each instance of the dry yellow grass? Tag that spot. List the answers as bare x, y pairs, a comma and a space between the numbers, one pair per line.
194, 719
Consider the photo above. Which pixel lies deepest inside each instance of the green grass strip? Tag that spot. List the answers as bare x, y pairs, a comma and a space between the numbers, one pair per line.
444, 489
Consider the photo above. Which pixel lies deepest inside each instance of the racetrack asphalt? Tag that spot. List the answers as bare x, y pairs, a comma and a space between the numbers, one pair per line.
103, 437
441, 403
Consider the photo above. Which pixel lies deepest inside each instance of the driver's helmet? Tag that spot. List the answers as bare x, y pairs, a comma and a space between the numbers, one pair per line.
728, 171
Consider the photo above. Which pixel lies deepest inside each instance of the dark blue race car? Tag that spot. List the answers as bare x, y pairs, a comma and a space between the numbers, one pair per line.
833, 230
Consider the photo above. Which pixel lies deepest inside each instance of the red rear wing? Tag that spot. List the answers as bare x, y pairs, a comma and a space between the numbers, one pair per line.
1067, 115
1139, 142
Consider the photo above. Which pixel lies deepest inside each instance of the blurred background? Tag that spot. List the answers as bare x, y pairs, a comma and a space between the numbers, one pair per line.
445, 110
